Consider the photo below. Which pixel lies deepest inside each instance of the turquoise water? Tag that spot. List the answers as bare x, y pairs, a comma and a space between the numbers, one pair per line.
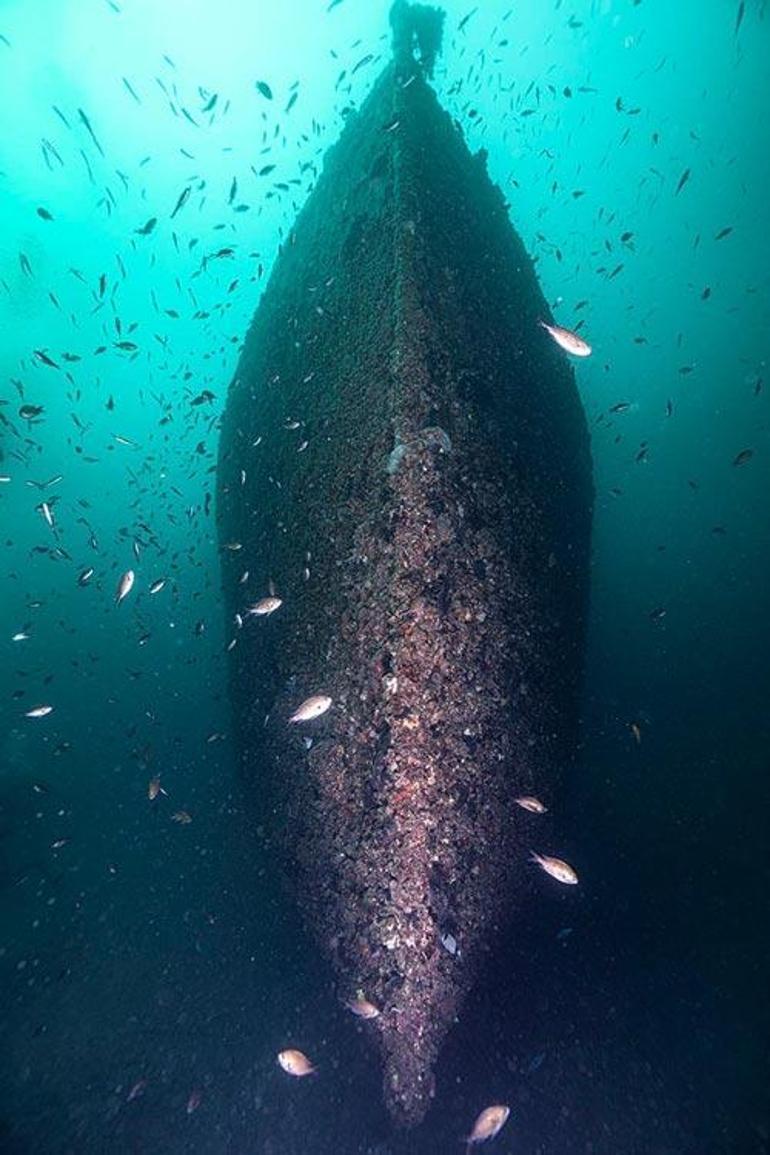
147, 974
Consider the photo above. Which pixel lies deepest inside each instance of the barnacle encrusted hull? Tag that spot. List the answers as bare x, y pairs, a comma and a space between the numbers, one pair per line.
405, 457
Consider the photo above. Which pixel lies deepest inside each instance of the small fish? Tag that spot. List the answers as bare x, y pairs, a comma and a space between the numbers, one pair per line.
90, 130
154, 788
57, 845
534, 805
311, 708
265, 606
193, 1102
682, 181
723, 233
742, 457
556, 867
29, 412
39, 711
44, 214
361, 63
265, 89
125, 585
567, 340
85, 577
20, 637
449, 943
147, 228
182, 817
46, 360
157, 585
131, 90
636, 730
295, 1063
362, 1008
488, 1124
47, 513
182, 200
136, 1090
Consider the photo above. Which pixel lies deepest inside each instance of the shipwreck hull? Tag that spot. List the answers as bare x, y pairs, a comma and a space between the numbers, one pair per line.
404, 456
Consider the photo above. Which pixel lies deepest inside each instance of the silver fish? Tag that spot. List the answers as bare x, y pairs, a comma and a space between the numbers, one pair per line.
556, 867
488, 1124
39, 711
567, 340
265, 606
362, 1008
311, 708
125, 585
295, 1063
534, 805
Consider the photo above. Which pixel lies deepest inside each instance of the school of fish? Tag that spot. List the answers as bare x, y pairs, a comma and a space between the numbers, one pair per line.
117, 569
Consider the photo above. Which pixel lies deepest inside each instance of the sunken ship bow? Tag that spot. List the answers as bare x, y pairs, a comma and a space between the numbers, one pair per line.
404, 462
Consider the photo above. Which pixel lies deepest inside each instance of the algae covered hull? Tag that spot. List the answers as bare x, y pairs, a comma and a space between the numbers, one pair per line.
404, 457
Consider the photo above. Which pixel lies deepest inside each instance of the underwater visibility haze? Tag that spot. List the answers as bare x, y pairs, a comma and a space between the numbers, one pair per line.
383, 484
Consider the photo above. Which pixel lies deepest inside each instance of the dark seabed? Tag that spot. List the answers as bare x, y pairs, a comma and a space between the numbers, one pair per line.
152, 959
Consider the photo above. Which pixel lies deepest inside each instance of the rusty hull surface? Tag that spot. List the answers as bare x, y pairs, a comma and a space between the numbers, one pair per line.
431, 546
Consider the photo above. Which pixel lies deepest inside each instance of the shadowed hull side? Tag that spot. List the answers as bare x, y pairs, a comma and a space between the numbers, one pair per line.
430, 544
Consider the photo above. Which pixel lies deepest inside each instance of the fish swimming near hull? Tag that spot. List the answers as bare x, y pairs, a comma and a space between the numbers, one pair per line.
566, 339
431, 546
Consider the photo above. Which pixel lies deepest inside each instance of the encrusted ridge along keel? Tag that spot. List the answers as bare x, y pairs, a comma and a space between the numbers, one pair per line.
430, 543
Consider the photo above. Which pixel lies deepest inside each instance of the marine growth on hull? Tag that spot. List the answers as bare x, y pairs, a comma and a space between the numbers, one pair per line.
405, 463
